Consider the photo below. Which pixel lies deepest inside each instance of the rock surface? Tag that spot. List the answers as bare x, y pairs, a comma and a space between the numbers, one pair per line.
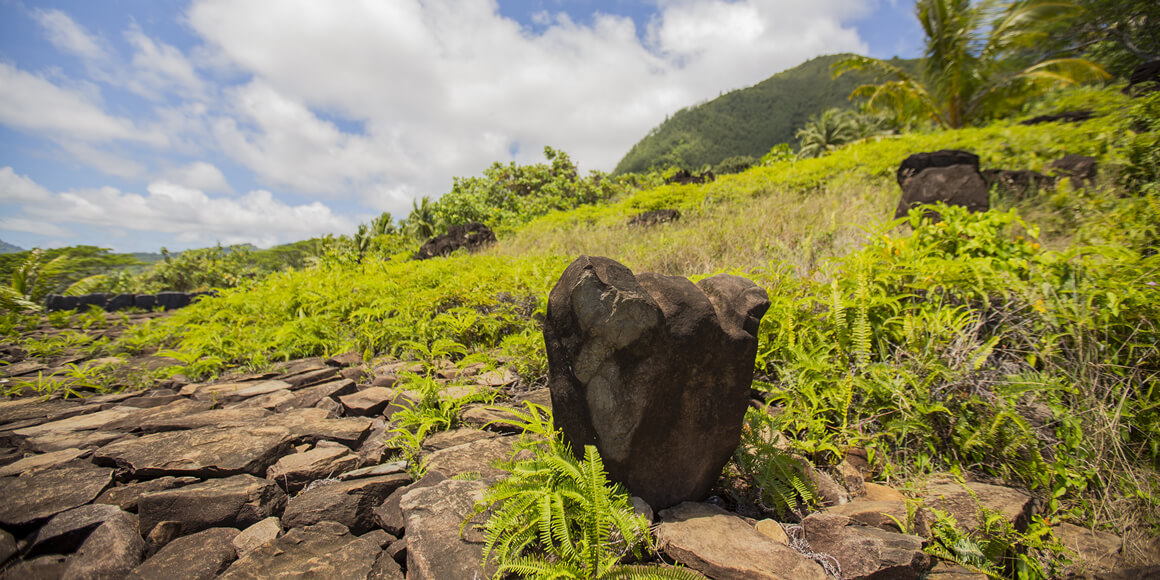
435, 548
350, 503
199, 556
962, 501
295, 471
324, 550
960, 185
472, 236
865, 552
234, 502
722, 546
654, 371
45, 494
205, 452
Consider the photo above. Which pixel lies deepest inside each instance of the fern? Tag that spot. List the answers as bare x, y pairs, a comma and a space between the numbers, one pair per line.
784, 487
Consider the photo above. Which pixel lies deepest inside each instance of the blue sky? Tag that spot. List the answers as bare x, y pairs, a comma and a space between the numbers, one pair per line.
137, 124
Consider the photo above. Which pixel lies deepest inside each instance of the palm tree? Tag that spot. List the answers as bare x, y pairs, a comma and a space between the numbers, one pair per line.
971, 68
422, 221
36, 277
828, 131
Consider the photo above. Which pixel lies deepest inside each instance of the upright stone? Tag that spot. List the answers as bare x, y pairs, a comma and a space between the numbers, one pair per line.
654, 371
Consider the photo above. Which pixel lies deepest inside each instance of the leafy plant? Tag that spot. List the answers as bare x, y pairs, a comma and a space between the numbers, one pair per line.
778, 475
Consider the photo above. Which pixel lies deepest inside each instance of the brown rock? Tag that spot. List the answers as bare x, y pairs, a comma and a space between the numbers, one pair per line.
884, 515
230, 392
446, 439
295, 471
959, 500
127, 496
877, 492
389, 516
435, 547
109, 544
212, 418
7, 546
42, 495
199, 556
87, 440
324, 550
475, 457
205, 452
257, 535
865, 552
960, 185
311, 396
232, 502
1095, 551
374, 401
35, 463
722, 546
350, 503
654, 371
772, 530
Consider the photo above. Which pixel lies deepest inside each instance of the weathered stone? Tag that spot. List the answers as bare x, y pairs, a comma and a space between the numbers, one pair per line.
374, 449
447, 439
435, 547
1016, 184
655, 217
109, 544
386, 568
723, 547
959, 500
7, 546
296, 420
772, 530
35, 463
654, 371
398, 552
865, 552
127, 496
346, 359
324, 550
50, 567
41, 495
346, 430
199, 556
181, 408
492, 418
876, 492
642, 509
87, 440
374, 470
827, 489
310, 396
257, 535
380, 537
211, 418
884, 515
948, 571
541, 397
1095, 551
918, 162
472, 236
269, 401
295, 471
389, 516
350, 503
374, 401
960, 185
475, 457
310, 377
851, 478
205, 452
497, 378
232, 502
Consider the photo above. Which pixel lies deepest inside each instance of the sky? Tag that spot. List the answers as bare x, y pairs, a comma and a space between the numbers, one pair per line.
138, 124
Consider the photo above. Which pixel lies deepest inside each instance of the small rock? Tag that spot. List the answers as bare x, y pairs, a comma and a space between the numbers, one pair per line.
863, 552
386, 568
346, 430
295, 471
7, 546
45, 494
257, 535
642, 509
350, 503
722, 546
346, 359
884, 515
233, 502
374, 449
324, 550
311, 396
827, 489
435, 548
772, 530
398, 552
375, 470
311, 377
851, 478
199, 556
876, 492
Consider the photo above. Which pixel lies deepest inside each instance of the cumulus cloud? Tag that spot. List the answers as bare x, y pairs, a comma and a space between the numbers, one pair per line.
158, 68
199, 175
188, 214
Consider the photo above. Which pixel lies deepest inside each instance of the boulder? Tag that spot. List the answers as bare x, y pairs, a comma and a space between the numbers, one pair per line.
722, 546
295, 471
916, 163
1095, 551
962, 501
350, 503
435, 547
1081, 169
35, 497
324, 550
172, 300
205, 452
472, 236
199, 556
960, 185
257, 535
657, 216
865, 552
654, 371
884, 515
232, 502
104, 538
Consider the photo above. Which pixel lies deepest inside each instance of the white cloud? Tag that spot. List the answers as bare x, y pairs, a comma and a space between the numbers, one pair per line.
199, 175
16, 188
106, 162
68, 36
44, 228
158, 67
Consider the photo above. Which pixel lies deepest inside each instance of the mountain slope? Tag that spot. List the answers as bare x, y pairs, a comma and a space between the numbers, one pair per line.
6, 248
747, 121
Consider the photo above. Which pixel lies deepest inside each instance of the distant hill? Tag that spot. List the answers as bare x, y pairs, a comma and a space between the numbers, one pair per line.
6, 248
747, 121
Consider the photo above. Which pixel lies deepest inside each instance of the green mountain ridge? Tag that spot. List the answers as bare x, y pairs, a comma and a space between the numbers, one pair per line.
747, 121
6, 248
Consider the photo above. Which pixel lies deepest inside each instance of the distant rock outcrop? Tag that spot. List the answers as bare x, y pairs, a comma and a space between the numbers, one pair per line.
684, 177
961, 185
1064, 117
472, 236
654, 371
652, 218
915, 164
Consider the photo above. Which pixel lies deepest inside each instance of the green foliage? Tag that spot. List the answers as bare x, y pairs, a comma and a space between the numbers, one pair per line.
202, 269
559, 517
744, 122
430, 413
968, 70
38, 275
735, 164
778, 475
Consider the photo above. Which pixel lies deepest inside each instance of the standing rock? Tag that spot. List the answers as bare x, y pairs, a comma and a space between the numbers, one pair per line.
435, 548
233, 502
865, 552
918, 162
325, 550
199, 556
722, 546
472, 236
35, 497
960, 185
654, 371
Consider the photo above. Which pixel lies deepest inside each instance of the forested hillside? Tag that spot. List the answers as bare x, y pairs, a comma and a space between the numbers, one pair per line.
746, 121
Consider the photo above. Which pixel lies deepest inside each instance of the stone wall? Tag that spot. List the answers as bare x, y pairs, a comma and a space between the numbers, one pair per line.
115, 302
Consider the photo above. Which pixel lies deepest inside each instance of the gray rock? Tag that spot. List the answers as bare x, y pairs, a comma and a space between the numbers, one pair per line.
325, 550
960, 185
257, 535
389, 516
42, 495
127, 496
50, 567
722, 546
233, 502
295, 471
205, 452
962, 501
435, 548
475, 457
863, 552
350, 503
654, 371
199, 556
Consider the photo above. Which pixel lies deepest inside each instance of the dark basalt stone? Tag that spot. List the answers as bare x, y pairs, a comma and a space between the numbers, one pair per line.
915, 164
652, 218
472, 236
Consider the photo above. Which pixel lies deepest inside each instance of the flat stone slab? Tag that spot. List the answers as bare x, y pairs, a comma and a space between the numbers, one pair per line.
205, 452
454, 437
295, 471
475, 457
211, 418
346, 430
435, 548
324, 550
34, 463
257, 535
863, 552
230, 392
369, 401
109, 544
310, 396
86, 422
199, 556
723, 546
1015, 504
42, 495
351, 503
234, 502
180, 408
